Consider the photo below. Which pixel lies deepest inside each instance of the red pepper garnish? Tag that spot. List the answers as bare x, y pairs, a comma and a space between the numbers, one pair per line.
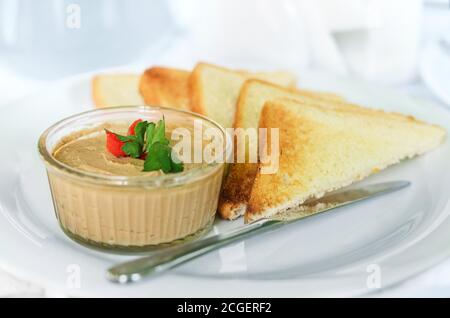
114, 145
131, 131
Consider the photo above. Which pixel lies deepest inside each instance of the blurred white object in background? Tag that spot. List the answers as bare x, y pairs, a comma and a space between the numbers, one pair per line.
435, 68
379, 39
324, 52
53, 38
244, 33
374, 39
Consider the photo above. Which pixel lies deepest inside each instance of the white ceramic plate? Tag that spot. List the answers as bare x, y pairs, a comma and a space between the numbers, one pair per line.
334, 254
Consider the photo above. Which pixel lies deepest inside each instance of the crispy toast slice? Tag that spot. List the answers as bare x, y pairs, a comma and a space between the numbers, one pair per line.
254, 93
214, 90
323, 149
163, 86
110, 90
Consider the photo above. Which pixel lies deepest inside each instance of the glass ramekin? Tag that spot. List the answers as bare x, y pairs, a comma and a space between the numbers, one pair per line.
134, 213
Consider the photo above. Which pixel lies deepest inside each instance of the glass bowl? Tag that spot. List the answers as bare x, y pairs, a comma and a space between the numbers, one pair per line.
131, 213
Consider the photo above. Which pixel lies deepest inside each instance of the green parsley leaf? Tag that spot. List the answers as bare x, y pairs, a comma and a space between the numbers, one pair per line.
139, 131
160, 158
176, 166
151, 138
122, 138
160, 133
152, 161
132, 149
149, 135
164, 158
126, 138
151, 164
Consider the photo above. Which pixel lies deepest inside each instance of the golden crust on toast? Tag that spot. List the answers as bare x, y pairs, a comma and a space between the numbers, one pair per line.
236, 190
323, 149
168, 87
254, 93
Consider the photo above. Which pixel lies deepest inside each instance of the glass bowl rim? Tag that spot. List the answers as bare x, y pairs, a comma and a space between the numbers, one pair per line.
187, 176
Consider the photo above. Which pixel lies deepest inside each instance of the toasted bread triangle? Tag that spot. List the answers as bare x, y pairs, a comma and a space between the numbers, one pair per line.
254, 93
214, 90
163, 86
323, 149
